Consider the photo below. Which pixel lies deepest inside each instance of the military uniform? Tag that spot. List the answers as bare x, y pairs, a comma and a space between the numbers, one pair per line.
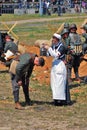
85, 37
66, 26
10, 45
66, 42
1, 45
23, 73
66, 39
75, 40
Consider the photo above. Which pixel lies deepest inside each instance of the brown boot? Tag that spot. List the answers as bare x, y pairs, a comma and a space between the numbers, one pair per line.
18, 106
78, 80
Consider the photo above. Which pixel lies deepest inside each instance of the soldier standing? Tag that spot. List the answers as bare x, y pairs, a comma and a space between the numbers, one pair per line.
84, 34
1, 45
10, 45
66, 26
66, 39
75, 40
66, 42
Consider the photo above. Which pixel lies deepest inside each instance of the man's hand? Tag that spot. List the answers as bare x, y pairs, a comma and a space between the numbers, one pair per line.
83, 31
19, 83
46, 47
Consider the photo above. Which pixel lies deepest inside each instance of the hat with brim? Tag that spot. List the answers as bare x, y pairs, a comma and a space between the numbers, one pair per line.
65, 31
73, 26
55, 35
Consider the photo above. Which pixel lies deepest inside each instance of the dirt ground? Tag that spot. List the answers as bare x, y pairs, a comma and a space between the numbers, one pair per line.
42, 115
44, 72
47, 67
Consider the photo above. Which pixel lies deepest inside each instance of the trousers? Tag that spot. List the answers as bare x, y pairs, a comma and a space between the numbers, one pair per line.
15, 88
74, 63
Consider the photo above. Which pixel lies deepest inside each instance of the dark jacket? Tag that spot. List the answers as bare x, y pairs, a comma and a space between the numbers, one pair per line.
11, 46
74, 39
85, 36
66, 42
25, 66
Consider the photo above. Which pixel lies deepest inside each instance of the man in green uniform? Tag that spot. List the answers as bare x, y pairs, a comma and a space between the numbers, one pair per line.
84, 34
75, 41
84, 47
66, 26
1, 45
66, 42
66, 39
10, 45
23, 72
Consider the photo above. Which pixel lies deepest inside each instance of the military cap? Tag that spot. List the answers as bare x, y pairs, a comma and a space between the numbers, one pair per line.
65, 31
73, 26
66, 25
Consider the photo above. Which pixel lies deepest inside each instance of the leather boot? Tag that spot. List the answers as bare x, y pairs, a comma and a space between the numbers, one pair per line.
78, 80
28, 102
18, 106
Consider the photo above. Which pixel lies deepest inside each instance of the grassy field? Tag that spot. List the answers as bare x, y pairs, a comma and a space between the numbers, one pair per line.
42, 115
28, 32
11, 17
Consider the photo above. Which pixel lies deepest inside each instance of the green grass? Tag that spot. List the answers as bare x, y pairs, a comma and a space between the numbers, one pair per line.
30, 32
13, 17
42, 114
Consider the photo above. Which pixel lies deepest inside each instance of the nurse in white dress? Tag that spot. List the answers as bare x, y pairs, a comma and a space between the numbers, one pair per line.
58, 71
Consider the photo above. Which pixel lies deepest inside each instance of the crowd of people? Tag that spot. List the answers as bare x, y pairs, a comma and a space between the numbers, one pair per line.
67, 50
75, 47
61, 7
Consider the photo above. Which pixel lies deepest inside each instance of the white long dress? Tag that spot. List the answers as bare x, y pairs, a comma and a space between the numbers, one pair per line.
58, 80
58, 75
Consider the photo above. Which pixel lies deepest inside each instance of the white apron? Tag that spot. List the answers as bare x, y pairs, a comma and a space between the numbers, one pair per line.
58, 80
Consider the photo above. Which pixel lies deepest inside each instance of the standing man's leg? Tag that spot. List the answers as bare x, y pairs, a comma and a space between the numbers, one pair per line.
69, 70
68, 99
76, 72
76, 67
25, 82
